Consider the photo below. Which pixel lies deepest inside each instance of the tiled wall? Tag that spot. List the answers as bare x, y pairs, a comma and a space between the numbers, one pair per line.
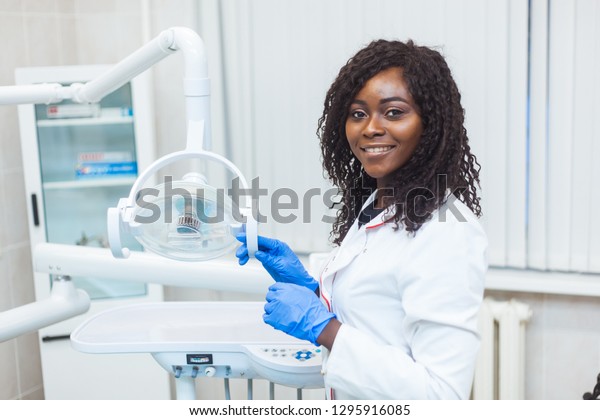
31, 29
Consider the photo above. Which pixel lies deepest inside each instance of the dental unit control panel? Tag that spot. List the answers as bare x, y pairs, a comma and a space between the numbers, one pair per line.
293, 365
204, 339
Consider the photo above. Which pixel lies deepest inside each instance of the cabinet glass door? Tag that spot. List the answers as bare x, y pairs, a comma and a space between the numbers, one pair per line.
88, 162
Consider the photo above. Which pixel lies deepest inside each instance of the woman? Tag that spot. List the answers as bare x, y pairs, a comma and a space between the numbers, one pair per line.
400, 294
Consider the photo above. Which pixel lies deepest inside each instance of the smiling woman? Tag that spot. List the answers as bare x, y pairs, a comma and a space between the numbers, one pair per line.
399, 296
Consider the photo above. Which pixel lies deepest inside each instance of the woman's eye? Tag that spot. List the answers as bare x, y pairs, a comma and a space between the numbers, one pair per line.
357, 114
394, 113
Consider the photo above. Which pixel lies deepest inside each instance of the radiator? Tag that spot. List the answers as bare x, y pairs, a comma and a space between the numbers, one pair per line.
500, 369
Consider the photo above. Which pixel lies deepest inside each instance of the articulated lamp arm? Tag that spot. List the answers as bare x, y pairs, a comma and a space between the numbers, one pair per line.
94, 90
65, 301
196, 83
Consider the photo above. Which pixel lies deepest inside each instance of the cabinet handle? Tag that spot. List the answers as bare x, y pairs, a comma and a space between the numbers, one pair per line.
47, 338
34, 207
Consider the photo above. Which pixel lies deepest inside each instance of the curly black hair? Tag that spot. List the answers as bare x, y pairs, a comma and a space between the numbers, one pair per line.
442, 154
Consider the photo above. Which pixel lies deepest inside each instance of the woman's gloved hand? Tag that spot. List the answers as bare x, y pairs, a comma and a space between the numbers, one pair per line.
296, 311
279, 261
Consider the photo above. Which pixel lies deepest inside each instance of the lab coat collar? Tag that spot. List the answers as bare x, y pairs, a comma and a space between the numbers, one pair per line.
353, 243
380, 219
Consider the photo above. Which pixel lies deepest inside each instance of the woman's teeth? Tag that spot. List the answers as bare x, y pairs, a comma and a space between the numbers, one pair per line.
377, 149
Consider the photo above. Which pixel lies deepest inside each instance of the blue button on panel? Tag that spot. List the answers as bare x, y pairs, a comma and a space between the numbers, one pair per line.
303, 355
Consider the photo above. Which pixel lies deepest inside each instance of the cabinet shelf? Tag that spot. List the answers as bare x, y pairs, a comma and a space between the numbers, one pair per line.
90, 183
102, 120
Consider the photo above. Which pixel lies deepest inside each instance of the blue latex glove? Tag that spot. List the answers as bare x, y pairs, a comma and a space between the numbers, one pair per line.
279, 261
296, 311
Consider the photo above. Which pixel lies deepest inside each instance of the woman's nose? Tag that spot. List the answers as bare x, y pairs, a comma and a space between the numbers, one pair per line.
374, 128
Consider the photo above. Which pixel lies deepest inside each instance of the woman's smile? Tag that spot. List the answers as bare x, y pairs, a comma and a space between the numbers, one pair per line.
377, 150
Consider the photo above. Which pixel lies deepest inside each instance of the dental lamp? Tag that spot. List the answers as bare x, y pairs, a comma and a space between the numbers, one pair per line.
189, 237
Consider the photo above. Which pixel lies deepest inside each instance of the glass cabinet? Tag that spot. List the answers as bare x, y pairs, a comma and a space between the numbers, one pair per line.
88, 160
79, 160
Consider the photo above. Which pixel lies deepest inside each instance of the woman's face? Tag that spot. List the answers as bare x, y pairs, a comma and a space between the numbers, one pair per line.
383, 126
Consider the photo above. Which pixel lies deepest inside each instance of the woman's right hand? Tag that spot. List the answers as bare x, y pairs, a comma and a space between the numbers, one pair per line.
279, 261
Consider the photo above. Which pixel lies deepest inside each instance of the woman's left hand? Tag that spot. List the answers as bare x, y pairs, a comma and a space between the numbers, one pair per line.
297, 311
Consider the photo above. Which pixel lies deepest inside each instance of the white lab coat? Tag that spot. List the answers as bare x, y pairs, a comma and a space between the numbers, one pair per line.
408, 307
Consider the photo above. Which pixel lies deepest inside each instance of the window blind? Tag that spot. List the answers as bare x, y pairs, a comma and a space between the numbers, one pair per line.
527, 72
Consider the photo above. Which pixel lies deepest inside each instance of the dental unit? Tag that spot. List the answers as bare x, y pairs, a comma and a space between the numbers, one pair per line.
189, 340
